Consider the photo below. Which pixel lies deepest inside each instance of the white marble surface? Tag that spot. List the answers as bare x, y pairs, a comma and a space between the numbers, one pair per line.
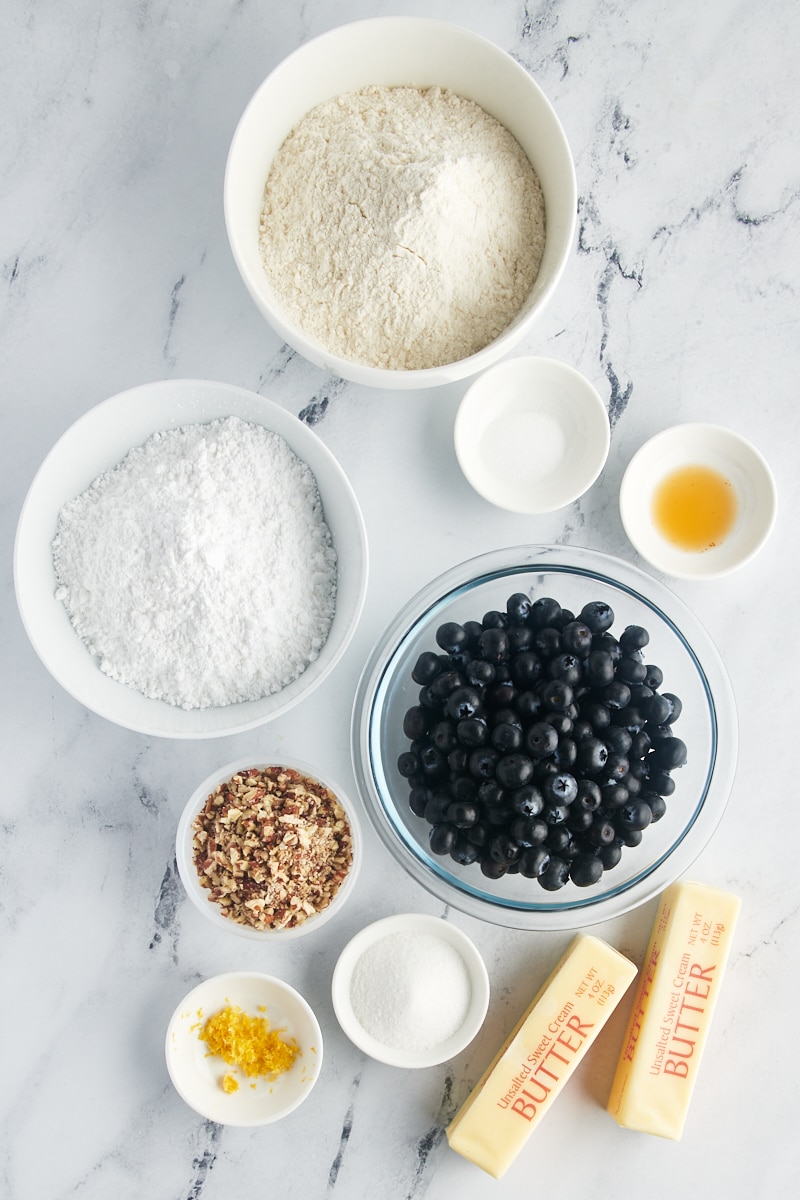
680, 303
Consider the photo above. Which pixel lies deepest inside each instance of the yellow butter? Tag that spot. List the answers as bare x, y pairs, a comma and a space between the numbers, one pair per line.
675, 1000
519, 1086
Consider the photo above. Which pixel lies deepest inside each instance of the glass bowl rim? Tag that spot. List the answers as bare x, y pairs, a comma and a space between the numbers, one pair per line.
555, 914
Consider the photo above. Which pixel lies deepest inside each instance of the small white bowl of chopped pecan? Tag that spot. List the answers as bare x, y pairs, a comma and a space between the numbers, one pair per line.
268, 850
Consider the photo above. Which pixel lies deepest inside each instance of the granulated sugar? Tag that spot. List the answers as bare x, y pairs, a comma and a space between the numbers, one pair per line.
200, 570
410, 991
402, 227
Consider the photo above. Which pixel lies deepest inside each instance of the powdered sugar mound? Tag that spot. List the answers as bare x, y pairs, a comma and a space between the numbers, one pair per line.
200, 570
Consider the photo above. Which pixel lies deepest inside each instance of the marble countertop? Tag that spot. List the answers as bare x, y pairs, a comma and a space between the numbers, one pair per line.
679, 303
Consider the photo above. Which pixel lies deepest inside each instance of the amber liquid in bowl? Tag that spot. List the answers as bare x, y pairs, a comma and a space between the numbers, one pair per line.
695, 507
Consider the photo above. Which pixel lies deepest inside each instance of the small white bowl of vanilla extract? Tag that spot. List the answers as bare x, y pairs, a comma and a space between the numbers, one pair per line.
698, 501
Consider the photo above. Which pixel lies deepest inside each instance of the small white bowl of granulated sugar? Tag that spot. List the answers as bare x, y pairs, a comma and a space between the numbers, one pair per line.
410, 990
400, 201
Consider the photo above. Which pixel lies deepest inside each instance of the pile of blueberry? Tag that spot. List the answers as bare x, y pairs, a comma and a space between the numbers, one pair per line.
540, 743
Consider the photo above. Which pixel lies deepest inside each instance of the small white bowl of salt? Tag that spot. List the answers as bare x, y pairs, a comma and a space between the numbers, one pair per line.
410, 990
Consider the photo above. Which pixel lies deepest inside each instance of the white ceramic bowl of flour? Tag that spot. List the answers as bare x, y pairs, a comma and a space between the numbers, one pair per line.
410, 990
98, 442
397, 52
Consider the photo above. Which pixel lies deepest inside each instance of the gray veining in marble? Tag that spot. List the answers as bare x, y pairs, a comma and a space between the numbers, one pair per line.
680, 303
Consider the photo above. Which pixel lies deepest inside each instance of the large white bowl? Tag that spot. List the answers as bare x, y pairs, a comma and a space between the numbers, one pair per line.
97, 442
394, 52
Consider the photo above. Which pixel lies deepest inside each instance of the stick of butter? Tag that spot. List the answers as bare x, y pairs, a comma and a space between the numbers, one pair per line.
672, 1010
531, 1068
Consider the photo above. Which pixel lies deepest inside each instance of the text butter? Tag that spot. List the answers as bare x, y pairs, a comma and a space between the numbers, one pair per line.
520, 1085
675, 1000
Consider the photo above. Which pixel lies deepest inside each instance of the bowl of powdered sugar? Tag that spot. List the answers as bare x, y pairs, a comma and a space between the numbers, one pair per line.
410, 990
400, 201
190, 560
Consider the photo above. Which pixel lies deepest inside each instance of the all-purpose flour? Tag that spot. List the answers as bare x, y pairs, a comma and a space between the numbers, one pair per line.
402, 227
200, 570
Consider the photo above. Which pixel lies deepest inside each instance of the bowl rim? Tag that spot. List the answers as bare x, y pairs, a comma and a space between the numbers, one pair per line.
390, 27
676, 563
220, 983
583, 910
199, 895
596, 432
413, 922
179, 402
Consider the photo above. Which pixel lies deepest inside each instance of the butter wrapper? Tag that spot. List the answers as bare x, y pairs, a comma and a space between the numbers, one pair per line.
520, 1085
675, 1000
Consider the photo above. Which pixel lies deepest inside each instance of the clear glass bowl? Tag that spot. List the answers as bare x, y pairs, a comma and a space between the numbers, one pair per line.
692, 670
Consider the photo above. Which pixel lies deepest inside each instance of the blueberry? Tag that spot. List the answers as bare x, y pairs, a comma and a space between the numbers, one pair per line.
505, 737
556, 695
598, 669
472, 732
618, 740
464, 852
598, 615
462, 815
534, 862
555, 874
668, 754
462, 702
635, 815
630, 670
616, 695
566, 667
446, 683
576, 638
544, 611
560, 789
677, 708
654, 677
482, 763
451, 637
588, 796
514, 770
426, 667
518, 608
592, 755
443, 736
526, 668
415, 722
491, 868
528, 705
493, 646
504, 849
541, 739
601, 832
655, 709
418, 798
610, 855
527, 801
443, 838
585, 870
634, 637
529, 831
408, 764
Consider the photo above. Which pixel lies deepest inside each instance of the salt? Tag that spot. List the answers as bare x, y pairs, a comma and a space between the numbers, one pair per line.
411, 991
